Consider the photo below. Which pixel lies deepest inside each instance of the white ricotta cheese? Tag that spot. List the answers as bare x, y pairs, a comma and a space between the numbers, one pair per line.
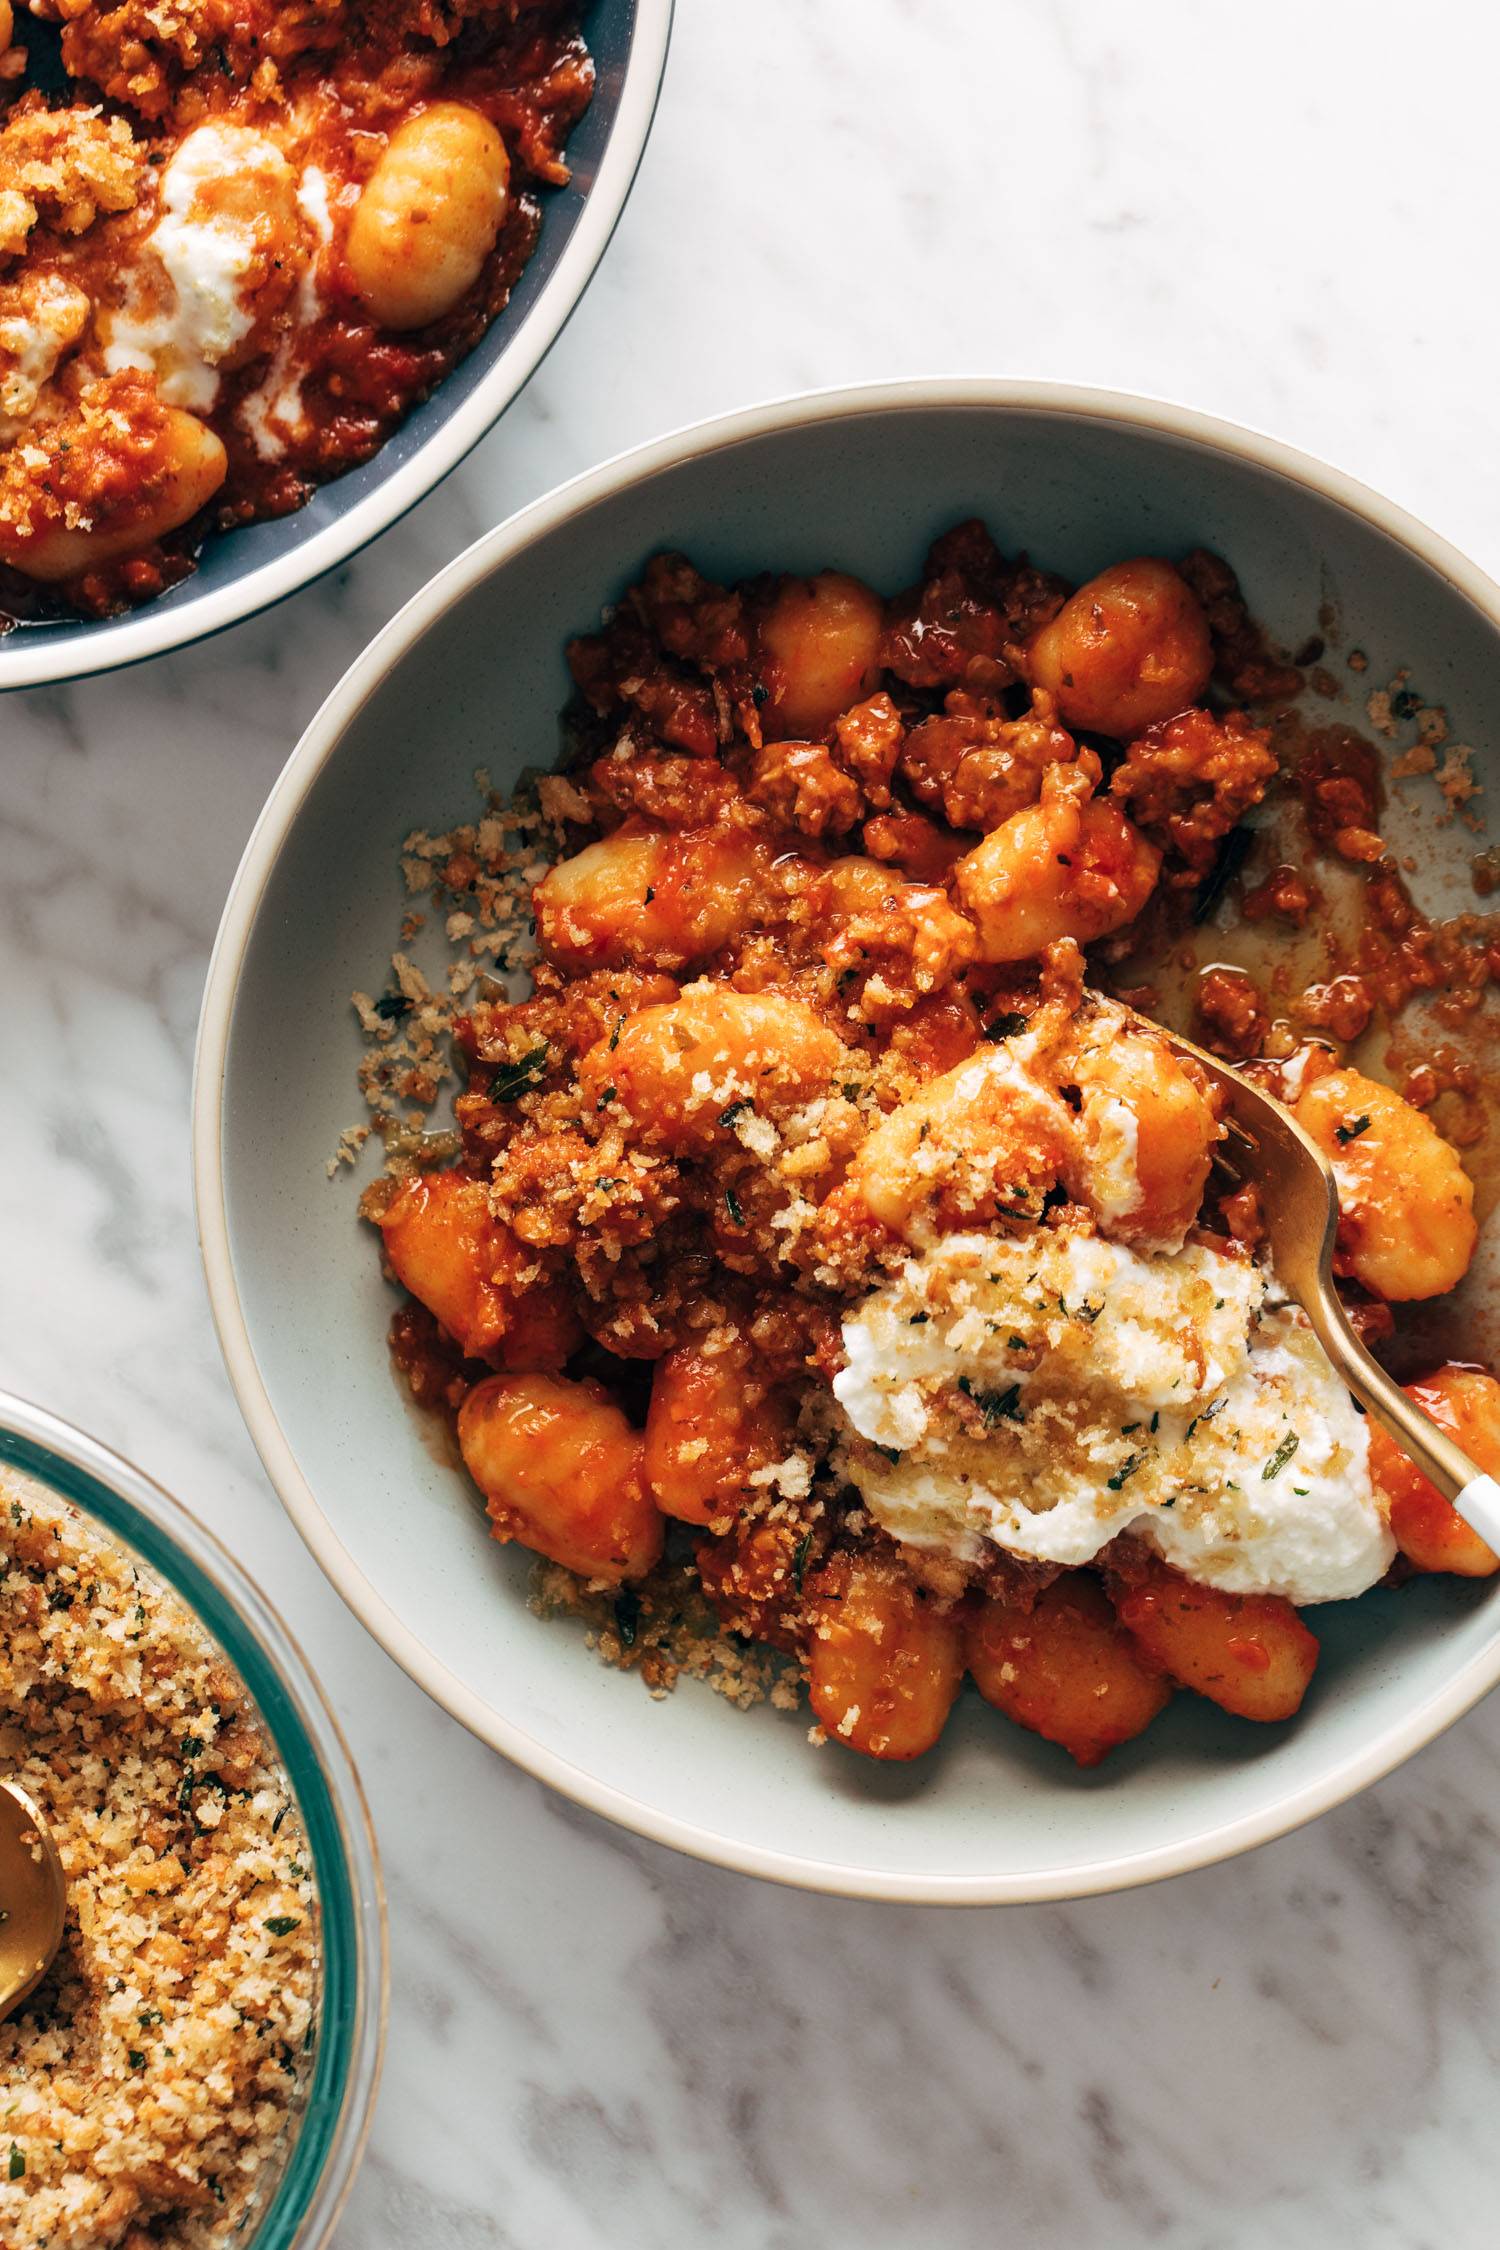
185, 329
1045, 1395
272, 412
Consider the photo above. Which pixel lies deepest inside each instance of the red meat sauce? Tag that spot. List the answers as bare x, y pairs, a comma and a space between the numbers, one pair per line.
644, 1250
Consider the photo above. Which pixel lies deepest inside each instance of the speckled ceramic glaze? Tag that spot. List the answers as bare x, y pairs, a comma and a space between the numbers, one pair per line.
471, 674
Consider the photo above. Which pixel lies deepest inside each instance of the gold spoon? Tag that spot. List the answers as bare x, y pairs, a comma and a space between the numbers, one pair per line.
33, 1897
1299, 1204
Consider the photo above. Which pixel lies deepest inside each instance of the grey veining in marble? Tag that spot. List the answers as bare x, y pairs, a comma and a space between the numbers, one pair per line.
1285, 215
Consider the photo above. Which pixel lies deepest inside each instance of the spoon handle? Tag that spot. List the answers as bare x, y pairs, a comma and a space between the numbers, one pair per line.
1441, 1459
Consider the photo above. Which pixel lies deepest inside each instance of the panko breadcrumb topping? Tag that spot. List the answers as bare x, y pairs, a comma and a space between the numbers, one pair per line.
148, 2085
479, 876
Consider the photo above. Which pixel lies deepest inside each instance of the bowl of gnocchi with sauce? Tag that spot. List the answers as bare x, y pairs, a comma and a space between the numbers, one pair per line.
711, 1241
263, 282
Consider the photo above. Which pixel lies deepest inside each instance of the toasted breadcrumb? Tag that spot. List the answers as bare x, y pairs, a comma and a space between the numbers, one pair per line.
62, 167
480, 876
664, 1628
150, 2081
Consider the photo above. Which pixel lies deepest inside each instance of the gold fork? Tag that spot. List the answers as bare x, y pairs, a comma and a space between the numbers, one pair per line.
1299, 1204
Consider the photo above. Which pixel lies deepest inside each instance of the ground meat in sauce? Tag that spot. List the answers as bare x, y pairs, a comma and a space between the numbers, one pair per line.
828, 870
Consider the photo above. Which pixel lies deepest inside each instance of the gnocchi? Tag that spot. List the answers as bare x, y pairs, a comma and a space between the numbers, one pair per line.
187, 466
1249, 1653
1130, 649
1144, 1139
561, 1471
885, 1661
428, 215
1062, 868
685, 1071
485, 1287
820, 641
1406, 1204
714, 1427
650, 899
1063, 1667
1428, 1529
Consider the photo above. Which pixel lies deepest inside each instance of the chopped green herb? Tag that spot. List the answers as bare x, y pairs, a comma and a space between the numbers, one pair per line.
732, 1206
994, 1406
735, 1109
1207, 1415
605, 1098
1279, 1459
1005, 1027
392, 1006
16, 2169
513, 1079
1126, 1469
650, 892
614, 1037
135, 2058
1352, 1130
282, 1925
1017, 1343
918, 1319
1155, 1424
799, 1560
627, 1616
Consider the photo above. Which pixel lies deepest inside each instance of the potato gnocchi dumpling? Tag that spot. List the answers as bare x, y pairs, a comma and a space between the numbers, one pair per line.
832, 1280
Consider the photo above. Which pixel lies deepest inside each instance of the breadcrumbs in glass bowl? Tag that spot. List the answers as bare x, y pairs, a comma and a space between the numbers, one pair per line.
198, 2063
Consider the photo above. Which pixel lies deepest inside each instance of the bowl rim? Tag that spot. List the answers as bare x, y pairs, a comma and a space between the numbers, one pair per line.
116, 643
318, 745
130, 1506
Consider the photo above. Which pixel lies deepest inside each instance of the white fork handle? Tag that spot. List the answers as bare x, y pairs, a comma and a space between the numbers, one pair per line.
1479, 1505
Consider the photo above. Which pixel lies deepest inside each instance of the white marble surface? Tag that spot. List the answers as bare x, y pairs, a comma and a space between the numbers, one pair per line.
1285, 215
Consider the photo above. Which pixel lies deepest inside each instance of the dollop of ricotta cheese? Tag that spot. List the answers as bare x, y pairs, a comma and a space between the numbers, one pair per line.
189, 306
1043, 1395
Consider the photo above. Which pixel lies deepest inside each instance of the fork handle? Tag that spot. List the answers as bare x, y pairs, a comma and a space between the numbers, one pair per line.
1479, 1505
1441, 1459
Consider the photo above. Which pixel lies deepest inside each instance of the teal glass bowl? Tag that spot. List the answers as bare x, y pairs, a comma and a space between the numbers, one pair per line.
313, 2170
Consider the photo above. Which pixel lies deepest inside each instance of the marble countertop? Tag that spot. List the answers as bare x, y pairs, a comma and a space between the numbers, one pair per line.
1284, 216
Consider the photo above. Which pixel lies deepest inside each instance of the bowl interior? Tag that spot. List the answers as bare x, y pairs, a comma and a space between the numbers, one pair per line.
264, 561
993, 1812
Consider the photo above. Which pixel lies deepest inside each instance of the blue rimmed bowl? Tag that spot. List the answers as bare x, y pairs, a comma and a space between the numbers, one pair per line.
297, 2207
242, 572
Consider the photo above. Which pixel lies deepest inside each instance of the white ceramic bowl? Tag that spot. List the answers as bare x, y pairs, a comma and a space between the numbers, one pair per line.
242, 572
471, 673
